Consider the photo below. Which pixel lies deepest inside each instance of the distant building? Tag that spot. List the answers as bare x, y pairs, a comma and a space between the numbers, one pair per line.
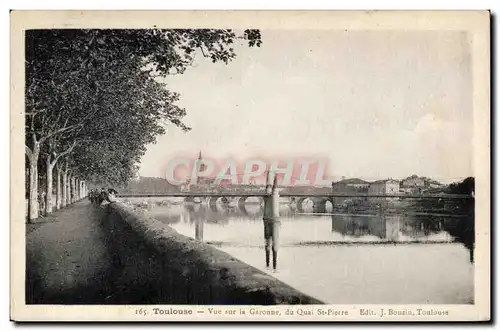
407, 190
387, 186
148, 185
433, 184
414, 182
184, 187
351, 185
201, 183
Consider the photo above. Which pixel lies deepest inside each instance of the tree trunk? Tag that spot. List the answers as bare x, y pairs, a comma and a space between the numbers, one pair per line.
48, 197
70, 180
58, 188
72, 189
68, 195
79, 189
64, 200
33, 196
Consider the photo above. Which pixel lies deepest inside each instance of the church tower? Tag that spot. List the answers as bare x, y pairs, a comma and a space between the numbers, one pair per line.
202, 166
200, 163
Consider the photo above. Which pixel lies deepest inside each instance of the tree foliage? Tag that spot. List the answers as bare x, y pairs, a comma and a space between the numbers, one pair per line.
93, 95
464, 228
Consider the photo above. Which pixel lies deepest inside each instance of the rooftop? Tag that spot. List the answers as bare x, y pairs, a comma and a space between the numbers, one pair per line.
352, 181
385, 181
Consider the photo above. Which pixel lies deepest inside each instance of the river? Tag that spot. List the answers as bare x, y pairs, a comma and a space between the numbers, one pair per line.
337, 258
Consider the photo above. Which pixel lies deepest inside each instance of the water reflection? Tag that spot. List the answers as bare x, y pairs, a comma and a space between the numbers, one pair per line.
326, 255
241, 224
393, 228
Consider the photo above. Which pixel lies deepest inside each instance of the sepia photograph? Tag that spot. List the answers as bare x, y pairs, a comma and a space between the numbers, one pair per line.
188, 171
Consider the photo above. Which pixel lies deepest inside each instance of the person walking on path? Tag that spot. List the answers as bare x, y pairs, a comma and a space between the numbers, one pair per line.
112, 193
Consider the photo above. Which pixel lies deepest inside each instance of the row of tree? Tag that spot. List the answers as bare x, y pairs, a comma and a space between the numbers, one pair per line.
94, 101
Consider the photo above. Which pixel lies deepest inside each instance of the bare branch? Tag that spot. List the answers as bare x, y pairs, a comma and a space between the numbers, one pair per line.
67, 151
61, 130
203, 52
36, 111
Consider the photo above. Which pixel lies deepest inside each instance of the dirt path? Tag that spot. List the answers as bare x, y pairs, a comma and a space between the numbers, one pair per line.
67, 258
77, 256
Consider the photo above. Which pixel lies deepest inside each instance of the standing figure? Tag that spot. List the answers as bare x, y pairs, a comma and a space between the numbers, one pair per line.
95, 196
103, 195
92, 196
112, 195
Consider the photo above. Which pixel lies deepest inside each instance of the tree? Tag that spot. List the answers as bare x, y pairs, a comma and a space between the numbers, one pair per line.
76, 81
463, 229
126, 125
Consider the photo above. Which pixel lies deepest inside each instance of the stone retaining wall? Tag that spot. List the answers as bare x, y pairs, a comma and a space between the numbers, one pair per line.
193, 272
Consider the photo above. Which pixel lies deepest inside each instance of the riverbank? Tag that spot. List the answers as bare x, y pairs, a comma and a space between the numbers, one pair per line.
114, 255
201, 273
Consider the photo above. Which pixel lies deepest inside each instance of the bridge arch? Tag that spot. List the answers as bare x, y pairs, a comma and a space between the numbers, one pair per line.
218, 207
318, 204
189, 199
193, 199
301, 203
321, 204
249, 200
218, 199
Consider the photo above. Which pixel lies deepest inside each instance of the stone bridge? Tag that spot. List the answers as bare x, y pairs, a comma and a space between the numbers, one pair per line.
318, 204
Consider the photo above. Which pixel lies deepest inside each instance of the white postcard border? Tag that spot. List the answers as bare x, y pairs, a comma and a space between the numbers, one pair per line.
477, 25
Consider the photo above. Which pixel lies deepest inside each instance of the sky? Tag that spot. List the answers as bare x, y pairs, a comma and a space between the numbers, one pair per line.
374, 104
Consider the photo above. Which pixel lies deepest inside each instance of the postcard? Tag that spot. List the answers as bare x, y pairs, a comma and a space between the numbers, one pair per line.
250, 166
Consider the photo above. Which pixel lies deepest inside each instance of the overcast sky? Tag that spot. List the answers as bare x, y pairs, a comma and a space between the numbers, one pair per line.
374, 104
